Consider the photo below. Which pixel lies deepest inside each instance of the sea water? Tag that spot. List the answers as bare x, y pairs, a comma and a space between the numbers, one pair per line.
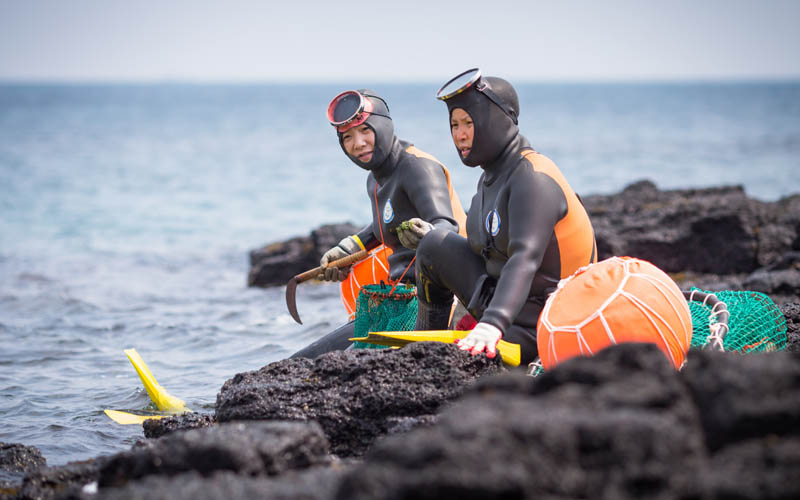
127, 213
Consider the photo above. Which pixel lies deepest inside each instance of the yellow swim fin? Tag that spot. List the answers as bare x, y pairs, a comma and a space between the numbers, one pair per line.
125, 418
510, 352
163, 400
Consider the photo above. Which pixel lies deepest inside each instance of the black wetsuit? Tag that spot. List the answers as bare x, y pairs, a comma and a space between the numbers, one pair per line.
409, 183
526, 229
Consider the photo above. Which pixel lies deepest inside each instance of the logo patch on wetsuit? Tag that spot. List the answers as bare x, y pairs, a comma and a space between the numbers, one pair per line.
388, 212
493, 222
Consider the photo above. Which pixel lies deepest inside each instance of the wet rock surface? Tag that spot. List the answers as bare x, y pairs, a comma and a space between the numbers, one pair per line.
15, 457
15, 460
154, 428
355, 395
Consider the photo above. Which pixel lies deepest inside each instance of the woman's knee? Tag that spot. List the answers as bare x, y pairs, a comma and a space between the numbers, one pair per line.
430, 243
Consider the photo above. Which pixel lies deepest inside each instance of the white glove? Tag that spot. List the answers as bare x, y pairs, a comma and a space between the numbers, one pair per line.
345, 247
411, 237
483, 336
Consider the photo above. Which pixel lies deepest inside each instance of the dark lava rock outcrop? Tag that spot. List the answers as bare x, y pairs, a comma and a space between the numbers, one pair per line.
621, 425
355, 395
158, 427
247, 448
791, 312
713, 230
15, 460
315, 483
15, 457
59, 482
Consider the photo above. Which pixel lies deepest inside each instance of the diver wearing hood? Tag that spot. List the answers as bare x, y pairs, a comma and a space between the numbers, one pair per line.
404, 184
526, 228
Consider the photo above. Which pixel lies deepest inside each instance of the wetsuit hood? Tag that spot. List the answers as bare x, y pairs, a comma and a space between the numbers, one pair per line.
381, 126
493, 128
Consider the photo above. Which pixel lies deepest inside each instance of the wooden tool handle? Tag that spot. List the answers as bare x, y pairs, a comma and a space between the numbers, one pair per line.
343, 262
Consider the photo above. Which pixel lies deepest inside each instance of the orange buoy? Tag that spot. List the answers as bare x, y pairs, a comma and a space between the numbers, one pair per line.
621, 299
369, 271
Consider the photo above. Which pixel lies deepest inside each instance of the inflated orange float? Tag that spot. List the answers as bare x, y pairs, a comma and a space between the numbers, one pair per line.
369, 271
620, 299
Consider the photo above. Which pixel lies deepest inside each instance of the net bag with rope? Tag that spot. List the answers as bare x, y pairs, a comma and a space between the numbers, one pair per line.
374, 269
621, 299
734, 321
738, 321
384, 307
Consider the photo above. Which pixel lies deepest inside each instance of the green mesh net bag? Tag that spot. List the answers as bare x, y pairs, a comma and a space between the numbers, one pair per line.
754, 322
382, 308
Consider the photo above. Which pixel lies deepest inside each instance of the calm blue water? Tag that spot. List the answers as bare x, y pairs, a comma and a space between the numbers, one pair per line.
128, 212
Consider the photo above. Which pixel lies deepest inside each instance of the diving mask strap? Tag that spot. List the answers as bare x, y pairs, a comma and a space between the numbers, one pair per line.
488, 92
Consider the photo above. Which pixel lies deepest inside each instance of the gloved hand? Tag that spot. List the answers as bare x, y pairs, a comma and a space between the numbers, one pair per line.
345, 247
483, 336
416, 229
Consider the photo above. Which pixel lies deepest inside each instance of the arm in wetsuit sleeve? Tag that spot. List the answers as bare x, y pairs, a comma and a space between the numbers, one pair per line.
535, 204
367, 237
425, 185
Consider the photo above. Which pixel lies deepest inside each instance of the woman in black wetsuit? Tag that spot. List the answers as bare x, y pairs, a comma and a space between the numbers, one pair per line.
526, 228
404, 183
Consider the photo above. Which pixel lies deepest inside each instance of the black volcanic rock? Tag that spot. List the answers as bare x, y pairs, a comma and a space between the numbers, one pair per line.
247, 448
15, 460
355, 395
757, 469
619, 425
791, 312
622, 424
743, 397
60, 482
315, 483
15, 457
713, 230
158, 427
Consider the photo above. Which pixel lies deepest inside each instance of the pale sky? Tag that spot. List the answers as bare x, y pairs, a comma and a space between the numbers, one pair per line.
400, 40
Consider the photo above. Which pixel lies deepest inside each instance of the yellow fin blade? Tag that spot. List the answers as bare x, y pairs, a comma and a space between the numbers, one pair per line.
510, 352
125, 418
163, 400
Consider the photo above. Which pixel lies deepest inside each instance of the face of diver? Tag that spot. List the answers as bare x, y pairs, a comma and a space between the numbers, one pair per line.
359, 142
463, 131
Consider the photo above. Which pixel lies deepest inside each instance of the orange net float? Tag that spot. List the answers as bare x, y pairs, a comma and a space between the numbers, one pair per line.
369, 271
621, 299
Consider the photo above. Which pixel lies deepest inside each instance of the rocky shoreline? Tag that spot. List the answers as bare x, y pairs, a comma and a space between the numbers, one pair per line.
430, 421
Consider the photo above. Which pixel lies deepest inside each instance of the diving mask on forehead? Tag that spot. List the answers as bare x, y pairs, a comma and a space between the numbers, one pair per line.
351, 108
471, 78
